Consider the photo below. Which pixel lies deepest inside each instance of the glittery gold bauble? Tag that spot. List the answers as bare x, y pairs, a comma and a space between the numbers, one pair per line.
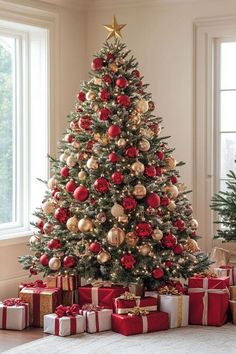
101, 217
193, 224
115, 236
151, 106
157, 234
139, 191
54, 263
48, 207
48, 228
117, 210
144, 145
97, 81
71, 161
173, 190
52, 183
104, 139
113, 67
131, 239
170, 163
134, 120
72, 224
147, 133
90, 95
142, 106
191, 246
103, 257
63, 157
92, 163
121, 142
145, 249
82, 175
171, 206
138, 167
123, 219
85, 225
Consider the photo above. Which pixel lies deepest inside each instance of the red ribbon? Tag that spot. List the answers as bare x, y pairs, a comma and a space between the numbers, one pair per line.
69, 311
35, 284
91, 308
73, 327
13, 302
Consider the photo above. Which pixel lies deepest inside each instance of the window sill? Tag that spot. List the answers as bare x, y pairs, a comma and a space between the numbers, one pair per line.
13, 239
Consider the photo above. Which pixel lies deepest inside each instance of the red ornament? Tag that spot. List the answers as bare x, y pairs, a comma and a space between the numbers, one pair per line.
105, 113
169, 264
157, 273
64, 172
143, 229
33, 271
107, 79
136, 73
69, 262
101, 185
54, 244
165, 201
69, 138
97, 64
71, 186
150, 171
131, 152
169, 241
104, 95
121, 82
54, 191
128, 261
81, 193
117, 178
129, 203
61, 215
40, 224
90, 144
159, 171
95, 247
193, 234
85, 122
114, 131
160, 155
153, 200
123, 100
113, 157
81, 96
44, 259
180, 225
178, 249
110, 56
174, 179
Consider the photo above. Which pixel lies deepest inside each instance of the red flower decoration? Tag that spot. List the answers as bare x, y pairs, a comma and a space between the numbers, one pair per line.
128, 261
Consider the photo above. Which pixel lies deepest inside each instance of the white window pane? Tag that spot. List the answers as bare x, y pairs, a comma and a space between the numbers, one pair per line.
223, 187
227, 154
7, 49
228, 65
228, 111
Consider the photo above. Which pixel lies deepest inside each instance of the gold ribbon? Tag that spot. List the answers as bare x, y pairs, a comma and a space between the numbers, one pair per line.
102, 283
138, 311
206, 274
168, 290
128, 296
179, 311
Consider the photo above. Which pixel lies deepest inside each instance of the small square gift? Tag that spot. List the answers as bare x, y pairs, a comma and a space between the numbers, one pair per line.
96, 318
227, 271
35, 284
127, 301
139, 321
14, 314
65, 282
208, 300
64, 322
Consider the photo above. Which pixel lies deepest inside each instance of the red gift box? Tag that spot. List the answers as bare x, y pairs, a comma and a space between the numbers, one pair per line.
208, 300
123, 306
99, 296
136, 324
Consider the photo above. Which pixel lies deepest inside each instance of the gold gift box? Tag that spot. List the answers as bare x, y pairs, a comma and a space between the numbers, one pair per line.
65, 282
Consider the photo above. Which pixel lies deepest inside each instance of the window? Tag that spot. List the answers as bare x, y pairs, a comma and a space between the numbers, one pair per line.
23, 122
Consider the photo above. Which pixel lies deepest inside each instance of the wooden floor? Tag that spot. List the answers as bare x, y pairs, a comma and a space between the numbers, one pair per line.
10, 339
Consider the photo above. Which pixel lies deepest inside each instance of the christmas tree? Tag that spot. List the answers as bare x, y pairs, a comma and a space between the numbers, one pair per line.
224, 203
114, 208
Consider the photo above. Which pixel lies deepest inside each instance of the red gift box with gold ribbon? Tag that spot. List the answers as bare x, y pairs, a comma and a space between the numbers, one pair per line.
208, 300
14, 314
127, 301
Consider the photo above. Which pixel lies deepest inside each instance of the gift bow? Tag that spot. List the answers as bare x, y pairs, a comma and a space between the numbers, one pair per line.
128, 296
102, 283
206, 274
138, 311
68, 311
14, 302
91, 307
168, 290
35, 284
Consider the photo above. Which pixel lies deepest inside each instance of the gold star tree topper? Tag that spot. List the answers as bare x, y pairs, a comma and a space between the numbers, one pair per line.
114, 29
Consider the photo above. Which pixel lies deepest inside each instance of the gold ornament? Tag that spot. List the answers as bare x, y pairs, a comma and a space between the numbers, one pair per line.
90, 95
131, 239
115, 236
171, 206
170, 163
135, 120
194, 224
82, 175
157, 235
72, 224
142, 106
48, 207
114, 29
71, 161
85, 225
191, 246
123, 219
145, 249
139, 191
92, 163
101, 217
147, 133
113, 67
117, 210
104, 140
173, 190
138, 167
103, 257
63, 157
54, 263
121, 142
52, 183
144, 145
97, 81
33, 240
48, 228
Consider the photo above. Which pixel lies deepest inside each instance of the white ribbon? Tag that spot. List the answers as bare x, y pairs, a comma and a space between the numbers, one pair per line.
145, 324
94, 295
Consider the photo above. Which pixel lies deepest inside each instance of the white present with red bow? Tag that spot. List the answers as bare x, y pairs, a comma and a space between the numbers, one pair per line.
14, 314
96, 318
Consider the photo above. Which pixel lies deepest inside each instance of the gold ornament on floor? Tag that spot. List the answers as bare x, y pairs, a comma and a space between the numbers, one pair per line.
71, 161
85, 225
114, 29
170, 163
191, 246
92, 163
144, 145
145, 249
82, 175
142, 106
54, 263
115, 236
121, 143
103, 257
157, 235
113, 67
139, 191
101, 217
194, 224
173, 190
171, 206
137, 167
123, 219
48, 207
117, 210
52, 183
72, 224
131, 239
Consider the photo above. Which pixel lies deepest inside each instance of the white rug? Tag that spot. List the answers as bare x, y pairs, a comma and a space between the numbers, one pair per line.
187, 340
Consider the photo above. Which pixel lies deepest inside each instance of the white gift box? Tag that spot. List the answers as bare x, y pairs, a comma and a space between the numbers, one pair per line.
227, 272
97, 321
177, 307
63, 326
14, 317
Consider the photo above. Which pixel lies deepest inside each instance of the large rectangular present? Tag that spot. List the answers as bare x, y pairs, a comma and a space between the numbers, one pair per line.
96, 319
177, 307
127, 301
208, 300
136, 324
42, 301
63, 326
100, 295
227, 271
14, 314
65, 282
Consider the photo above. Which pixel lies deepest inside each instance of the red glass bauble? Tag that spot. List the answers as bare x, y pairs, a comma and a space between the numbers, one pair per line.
143, 229
85, 122
169, 241
178, 249
129, 203
81, 96
180, 225
113, 157
90, 145
71, 186
104, 95
61, 215
159, 171
64, 172
153, 200
150, 171
169, 264
33, 271
117, 178
44, 259
54, 191
160, 155
54, 244
131, 152
69, 262
114, 131
121, 82
136, 73
95, 247
40, 224
107, 79
128, 261
81, 193
69, 138
165, 201
104, 113
110, 56
97, 64
157, 273
101, 185
174, 179
123, 100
